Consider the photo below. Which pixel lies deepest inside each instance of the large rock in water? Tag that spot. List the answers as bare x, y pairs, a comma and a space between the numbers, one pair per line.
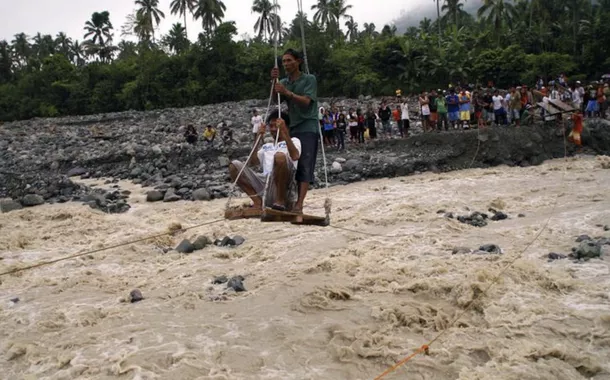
185, 246
32, 200
154, 196
8, 205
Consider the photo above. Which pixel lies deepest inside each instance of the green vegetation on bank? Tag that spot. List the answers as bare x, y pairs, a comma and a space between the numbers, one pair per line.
505, 42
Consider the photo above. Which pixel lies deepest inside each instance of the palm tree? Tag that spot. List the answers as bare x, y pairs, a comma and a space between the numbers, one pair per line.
438, 21
369, 30
181, 7
323, 15
388, 30
454, 8
63, 43
575, 7
498, 13
277, 25
338, 10
352, 29
137, 25
176, 39
44, 45
77, 53
425, 25
21, 49
211, 12
99, 28
127, 49
265, 23
150, 12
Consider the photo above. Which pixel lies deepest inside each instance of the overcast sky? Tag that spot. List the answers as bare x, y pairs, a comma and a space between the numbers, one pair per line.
69, 16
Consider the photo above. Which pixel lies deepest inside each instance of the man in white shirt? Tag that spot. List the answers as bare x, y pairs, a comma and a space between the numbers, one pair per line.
404, 115
256, 121
280, 162
499, 111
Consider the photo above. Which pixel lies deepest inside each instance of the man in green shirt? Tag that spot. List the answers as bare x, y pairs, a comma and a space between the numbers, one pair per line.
300, 91
441, 108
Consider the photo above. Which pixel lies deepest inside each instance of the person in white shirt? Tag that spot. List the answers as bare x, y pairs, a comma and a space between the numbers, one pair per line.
280, 162
509, 113
576, 98
499, 111
404, 115
256, 122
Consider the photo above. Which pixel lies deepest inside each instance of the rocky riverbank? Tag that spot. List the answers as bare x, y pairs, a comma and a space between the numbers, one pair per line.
38, 157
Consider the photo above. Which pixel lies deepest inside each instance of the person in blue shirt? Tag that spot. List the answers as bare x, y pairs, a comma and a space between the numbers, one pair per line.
453, 108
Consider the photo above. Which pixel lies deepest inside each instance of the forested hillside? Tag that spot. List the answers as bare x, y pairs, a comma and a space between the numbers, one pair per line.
506, 42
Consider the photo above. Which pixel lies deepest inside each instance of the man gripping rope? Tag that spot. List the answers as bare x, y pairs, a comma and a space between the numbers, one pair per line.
299, 91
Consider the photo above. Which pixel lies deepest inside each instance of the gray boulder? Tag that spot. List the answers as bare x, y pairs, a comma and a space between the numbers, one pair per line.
185, 246
154, 196
171, 196
224, 161
32, 200
76, 172
588, 249
353, 165
7, 205
201, 243
201, 195
336, 168
239, 240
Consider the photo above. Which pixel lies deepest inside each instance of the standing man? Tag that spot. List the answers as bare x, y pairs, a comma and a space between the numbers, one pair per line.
385, 114
515, 105
256, 122
300, 91
404, 114
453, 106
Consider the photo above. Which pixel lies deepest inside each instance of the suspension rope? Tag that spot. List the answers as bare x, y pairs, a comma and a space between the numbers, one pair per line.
302, 16
279, 98
74, 256
327, 201
258, 137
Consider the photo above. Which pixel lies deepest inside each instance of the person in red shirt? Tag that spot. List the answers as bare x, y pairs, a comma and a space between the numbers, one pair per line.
396, 115
574, 136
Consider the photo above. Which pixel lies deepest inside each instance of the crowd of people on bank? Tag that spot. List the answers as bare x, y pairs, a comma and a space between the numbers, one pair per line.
455, 108
462, 108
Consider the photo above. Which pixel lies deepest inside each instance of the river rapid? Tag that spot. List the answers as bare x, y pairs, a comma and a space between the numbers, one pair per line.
321, 303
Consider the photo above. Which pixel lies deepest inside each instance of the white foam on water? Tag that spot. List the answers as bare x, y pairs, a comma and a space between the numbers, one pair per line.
321, 303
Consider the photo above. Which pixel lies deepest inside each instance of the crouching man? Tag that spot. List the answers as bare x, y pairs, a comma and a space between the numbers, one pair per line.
280, 162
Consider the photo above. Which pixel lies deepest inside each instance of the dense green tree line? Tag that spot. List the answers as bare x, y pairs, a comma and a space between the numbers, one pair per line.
505, 42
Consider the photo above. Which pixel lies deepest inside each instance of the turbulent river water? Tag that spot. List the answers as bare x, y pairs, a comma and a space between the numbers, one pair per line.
321, 303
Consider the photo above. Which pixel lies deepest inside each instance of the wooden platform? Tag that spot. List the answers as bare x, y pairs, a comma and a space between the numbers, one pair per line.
562, 106
549, 108
243, 213
271, 215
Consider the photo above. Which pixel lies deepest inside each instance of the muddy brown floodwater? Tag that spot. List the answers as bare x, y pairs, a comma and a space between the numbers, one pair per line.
321, 303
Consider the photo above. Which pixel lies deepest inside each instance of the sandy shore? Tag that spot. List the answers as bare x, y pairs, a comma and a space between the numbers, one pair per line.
321, 303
